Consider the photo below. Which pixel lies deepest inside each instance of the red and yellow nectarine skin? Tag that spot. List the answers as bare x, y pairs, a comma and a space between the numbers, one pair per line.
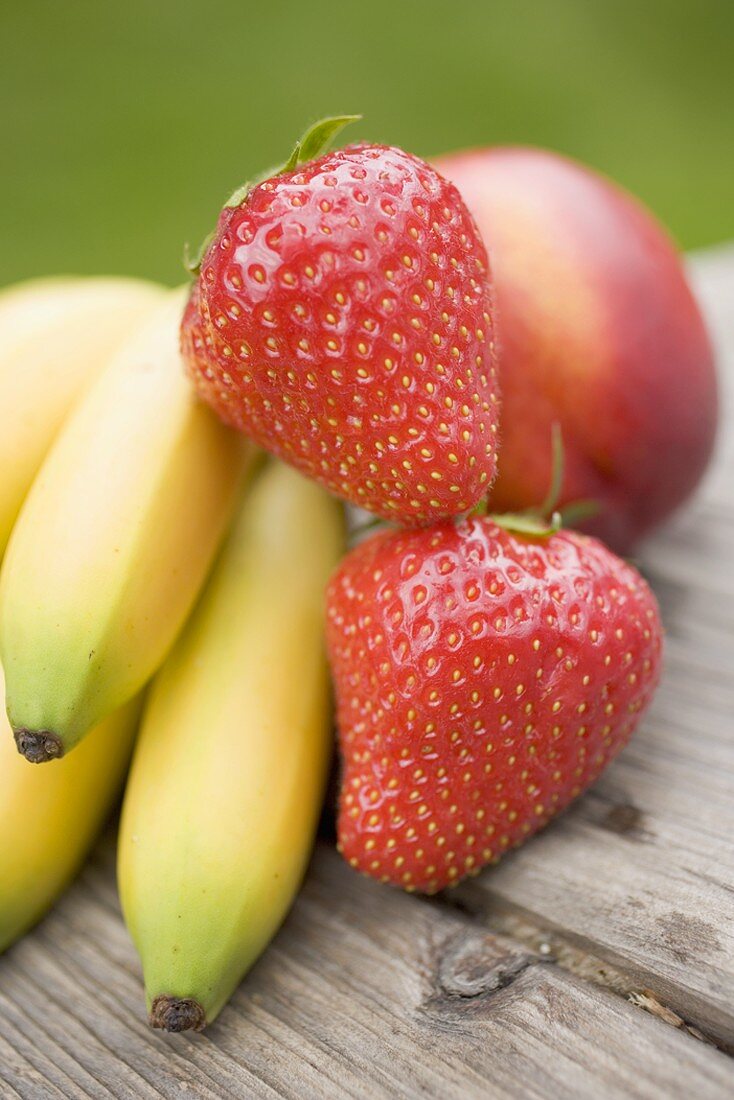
598, 330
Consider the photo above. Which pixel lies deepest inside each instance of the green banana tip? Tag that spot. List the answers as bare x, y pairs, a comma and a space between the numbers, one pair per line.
38, 746
176, 1014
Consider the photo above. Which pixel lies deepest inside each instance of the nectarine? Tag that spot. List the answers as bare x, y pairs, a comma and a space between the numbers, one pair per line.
598, 330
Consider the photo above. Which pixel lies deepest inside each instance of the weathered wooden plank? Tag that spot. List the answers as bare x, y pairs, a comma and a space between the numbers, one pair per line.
366, 993
641, 871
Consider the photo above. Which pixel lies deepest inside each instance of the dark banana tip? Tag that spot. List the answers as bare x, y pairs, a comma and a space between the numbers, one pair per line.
38, 746
176, 1014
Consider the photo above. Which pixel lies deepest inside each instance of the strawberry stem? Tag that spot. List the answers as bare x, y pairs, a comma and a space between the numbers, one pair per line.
548, 507
545, 520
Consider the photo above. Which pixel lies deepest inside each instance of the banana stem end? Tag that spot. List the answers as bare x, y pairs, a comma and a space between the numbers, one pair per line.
38, 746
176, 1014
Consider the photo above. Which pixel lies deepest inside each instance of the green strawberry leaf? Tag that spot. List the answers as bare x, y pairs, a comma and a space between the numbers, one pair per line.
311, 145
528, 523
193, 263
318, 138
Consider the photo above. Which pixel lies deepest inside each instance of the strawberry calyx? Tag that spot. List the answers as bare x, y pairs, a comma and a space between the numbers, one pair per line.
540, 522
312, 144
547, 518
528, 523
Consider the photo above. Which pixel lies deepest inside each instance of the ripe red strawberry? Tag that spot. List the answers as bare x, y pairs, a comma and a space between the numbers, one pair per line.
342, 319
483, 680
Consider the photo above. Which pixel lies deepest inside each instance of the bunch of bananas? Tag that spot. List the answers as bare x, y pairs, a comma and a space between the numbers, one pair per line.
144, 541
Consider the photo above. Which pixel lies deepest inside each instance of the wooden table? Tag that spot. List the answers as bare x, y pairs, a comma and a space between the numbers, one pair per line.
598, 961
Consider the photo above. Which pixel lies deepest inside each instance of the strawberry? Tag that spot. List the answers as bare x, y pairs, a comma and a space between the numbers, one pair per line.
342, 319
484, 679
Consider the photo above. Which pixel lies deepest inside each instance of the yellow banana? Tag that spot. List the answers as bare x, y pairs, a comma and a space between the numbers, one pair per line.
113, 542
49, 817
227, 780
55, 337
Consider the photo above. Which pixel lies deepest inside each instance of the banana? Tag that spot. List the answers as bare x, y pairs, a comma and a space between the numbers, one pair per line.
113, 542
227, 780
49, 817
55, 336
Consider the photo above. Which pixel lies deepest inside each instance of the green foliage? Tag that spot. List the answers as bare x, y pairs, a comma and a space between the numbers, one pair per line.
124, 126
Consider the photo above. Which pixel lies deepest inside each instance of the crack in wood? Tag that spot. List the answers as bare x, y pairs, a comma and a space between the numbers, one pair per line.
461, 964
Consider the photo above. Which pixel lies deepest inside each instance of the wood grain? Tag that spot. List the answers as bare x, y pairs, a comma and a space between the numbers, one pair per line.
515, 985
365, 993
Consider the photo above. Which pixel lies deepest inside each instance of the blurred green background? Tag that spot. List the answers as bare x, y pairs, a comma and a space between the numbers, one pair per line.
124, 125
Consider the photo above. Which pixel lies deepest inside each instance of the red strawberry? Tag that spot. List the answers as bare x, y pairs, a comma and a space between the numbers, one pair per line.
483, 680
342, 319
